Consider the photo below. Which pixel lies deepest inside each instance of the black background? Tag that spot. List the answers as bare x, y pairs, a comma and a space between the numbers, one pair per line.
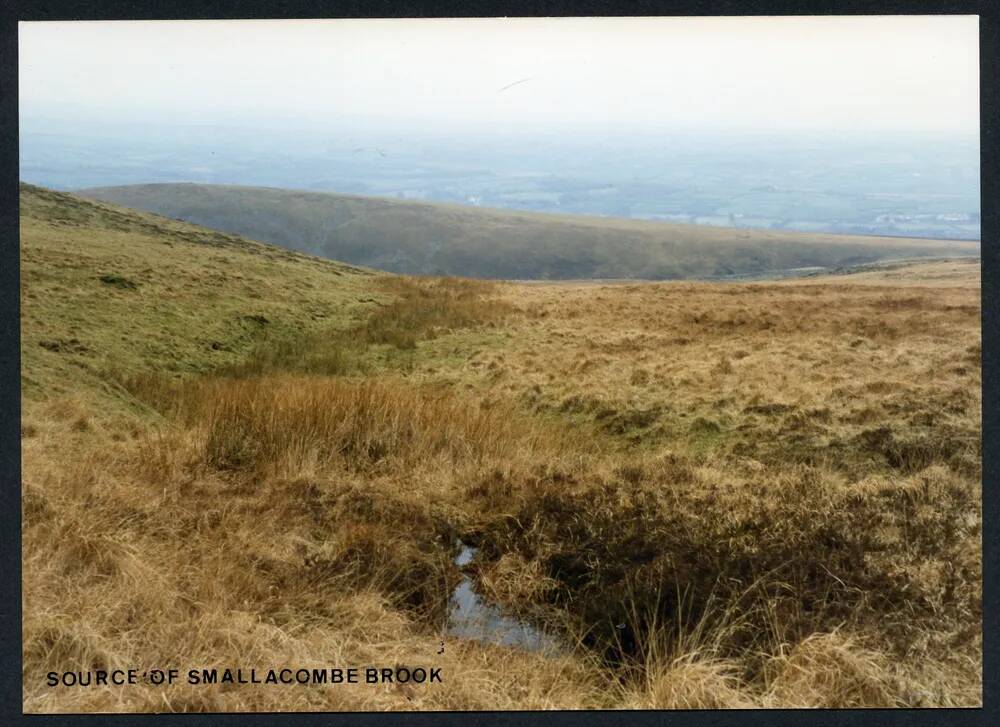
10, 489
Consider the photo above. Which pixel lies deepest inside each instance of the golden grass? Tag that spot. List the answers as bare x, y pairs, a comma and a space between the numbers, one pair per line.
720, 496
690, 682
831, 670
287, 421
156, 557
721, 573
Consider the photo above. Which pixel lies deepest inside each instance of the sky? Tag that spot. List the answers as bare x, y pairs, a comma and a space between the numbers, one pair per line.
855, 75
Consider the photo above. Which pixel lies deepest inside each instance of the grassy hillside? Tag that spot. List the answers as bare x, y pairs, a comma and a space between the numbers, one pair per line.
440, 239
106, 289
714, 495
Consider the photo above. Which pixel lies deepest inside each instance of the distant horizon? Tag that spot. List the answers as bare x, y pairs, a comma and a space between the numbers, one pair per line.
900, 185
839, 124
96, 125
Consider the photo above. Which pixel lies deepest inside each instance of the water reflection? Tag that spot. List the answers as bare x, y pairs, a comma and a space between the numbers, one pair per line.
470, 617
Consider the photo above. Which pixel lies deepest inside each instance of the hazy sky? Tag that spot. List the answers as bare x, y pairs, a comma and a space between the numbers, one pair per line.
852, 75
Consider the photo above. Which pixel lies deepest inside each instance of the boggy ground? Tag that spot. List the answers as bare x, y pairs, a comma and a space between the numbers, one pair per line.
719, 495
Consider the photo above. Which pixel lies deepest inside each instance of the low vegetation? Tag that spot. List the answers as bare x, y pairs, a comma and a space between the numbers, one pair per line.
420, 238
715, 495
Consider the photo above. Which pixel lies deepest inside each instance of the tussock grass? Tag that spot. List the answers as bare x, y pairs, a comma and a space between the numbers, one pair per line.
425, 308
693, 682
716, 496
832, 670
419, 310
666, 550
259, 422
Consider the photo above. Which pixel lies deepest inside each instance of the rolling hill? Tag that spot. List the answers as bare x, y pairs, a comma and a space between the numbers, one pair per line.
443, 239
107, 290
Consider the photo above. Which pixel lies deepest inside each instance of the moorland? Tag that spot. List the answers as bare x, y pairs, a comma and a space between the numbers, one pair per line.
714, 494
423, 238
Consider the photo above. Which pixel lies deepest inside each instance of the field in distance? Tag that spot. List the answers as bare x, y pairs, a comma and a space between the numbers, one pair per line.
450, 239
713, 495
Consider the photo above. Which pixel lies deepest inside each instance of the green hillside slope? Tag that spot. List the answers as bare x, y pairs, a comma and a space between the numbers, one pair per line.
106, 290
422, 238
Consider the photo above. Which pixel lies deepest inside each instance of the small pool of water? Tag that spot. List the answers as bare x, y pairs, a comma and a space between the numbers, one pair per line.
471, 617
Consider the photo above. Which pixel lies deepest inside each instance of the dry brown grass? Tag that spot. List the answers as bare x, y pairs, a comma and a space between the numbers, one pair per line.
156, 553
690, 682
286, 423
724, 496
831, 670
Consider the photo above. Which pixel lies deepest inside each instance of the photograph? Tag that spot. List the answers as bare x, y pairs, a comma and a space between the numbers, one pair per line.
489, 364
